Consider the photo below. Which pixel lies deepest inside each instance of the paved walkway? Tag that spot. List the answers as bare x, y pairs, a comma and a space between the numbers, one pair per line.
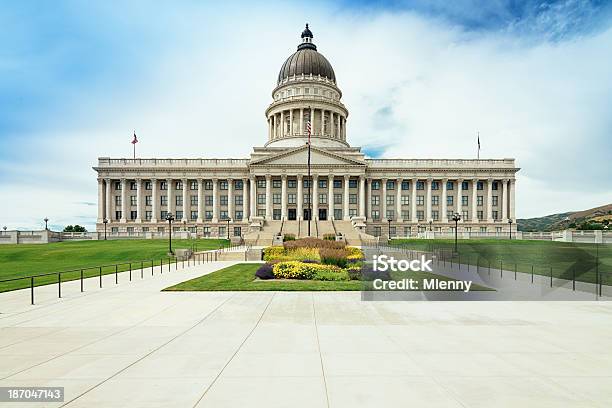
131, 345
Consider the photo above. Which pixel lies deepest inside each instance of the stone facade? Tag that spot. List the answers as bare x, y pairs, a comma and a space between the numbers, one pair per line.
135, 195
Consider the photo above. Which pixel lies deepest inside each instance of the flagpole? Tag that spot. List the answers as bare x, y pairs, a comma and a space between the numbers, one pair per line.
478, 152
309, 178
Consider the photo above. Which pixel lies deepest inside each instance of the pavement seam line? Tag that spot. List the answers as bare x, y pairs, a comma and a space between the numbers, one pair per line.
314, 315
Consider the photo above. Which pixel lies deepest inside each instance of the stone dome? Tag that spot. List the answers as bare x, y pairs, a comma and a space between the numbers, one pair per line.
306, 60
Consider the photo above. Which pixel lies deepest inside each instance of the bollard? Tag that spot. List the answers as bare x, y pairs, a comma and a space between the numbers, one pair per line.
551, 276
531, 273
100, 276
573, 278
117, 273
501, 269
32, 289
151, 267
515, 271
81, 280
59, 285
175, 264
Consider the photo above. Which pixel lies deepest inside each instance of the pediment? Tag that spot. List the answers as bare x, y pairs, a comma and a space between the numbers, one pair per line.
299, 156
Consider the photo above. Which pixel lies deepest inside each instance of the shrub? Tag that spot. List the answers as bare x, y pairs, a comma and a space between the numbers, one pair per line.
288, 237
331, 256
354, 273
313, 243
273, 252
301, 270
329, 237
354, 254
265, 272
336, 275
302, 254
369, 274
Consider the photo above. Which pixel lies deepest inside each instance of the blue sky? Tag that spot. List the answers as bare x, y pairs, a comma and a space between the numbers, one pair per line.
420, 78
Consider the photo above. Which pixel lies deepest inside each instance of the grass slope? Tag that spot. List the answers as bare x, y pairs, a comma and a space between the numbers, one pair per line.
563, 257
241, 277
32, 259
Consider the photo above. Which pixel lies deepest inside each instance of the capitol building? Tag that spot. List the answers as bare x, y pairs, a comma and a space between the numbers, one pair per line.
270, 192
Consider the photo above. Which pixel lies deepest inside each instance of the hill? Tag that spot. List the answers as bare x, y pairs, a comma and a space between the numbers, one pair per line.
593, 218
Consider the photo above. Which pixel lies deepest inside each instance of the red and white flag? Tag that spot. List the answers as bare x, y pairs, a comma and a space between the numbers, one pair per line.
309, 130
135, 140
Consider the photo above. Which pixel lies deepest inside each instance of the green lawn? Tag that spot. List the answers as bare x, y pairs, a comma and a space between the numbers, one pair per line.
241, 277
565, 258
32, 259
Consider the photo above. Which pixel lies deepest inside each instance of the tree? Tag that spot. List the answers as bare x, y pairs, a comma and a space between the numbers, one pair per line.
75, 228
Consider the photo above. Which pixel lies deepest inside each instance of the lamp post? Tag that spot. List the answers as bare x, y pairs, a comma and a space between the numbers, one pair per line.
228, 222
170, 218
105, 221
4, 228
46, 221
389, 221
510, 226
184, 225
456, 218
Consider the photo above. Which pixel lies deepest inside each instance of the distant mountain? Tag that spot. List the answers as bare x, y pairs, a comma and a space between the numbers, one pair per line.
573, 220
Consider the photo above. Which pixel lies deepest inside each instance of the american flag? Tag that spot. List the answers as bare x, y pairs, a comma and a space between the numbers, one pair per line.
309, 130
135, 140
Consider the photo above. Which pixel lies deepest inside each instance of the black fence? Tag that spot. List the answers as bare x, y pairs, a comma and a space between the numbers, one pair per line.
141, 268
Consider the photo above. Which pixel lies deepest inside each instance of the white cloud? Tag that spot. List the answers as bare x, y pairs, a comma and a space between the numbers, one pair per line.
422, 87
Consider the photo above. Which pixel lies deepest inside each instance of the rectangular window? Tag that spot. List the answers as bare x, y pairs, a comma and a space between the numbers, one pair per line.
223, 185
495, 215
434, 200
238, 215
352, 212
117, 185
494, 201
323, 198
375, 185
479, 185
148, 185
208, 200
464, 215
179, 215
483, 229
405, 214
194, 215
261, 183
307, 198
405, 185
179, 185
464, 200
163, 214
238, 184
208, 185
390, 214
465, 185
375, 200
148, 200
337, 198
133, 215
337, 183
420, 215
479, 201
435, 215
390, 185
449, 200
375, 215
163, 185
479, 213
194, 200
206, 231
223, 214
276, 183
178, 200
223, 199
276, 214
148, 215
390, 199
237, 231
495, 185
435, 185
276, 198
208, 215
449, 214
118, 200
323, 183
420, 185
352, 183
291, 183
238, 200
337, 214
352, 198
193, 185
405, 200
450, 185
261, 198
132, 200
222, 232
292, 198
420, 200
163, 200
306, 183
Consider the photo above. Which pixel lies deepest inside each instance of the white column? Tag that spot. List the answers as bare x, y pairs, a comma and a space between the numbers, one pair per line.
346, 198
512, 208
230, 199
154, 200
268, 197
301, 121
215, 183
253, 194
458, 206
315, 197
489, 200
124, 200
339, 136
283, 197
186, 203
282, 123
398, 199
269, 129
170, 189
139, 214
109, 202
504, 200
300, 197
369, 200
273, 119
290, 122
383, 200
474, 217
330, 197
362, 196
312, 126
200, 201
245, 200
428, 201
413, 199
100, 200
444, 217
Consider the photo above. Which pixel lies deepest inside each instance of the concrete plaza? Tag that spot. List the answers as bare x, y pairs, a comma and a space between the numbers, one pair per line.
131, 345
